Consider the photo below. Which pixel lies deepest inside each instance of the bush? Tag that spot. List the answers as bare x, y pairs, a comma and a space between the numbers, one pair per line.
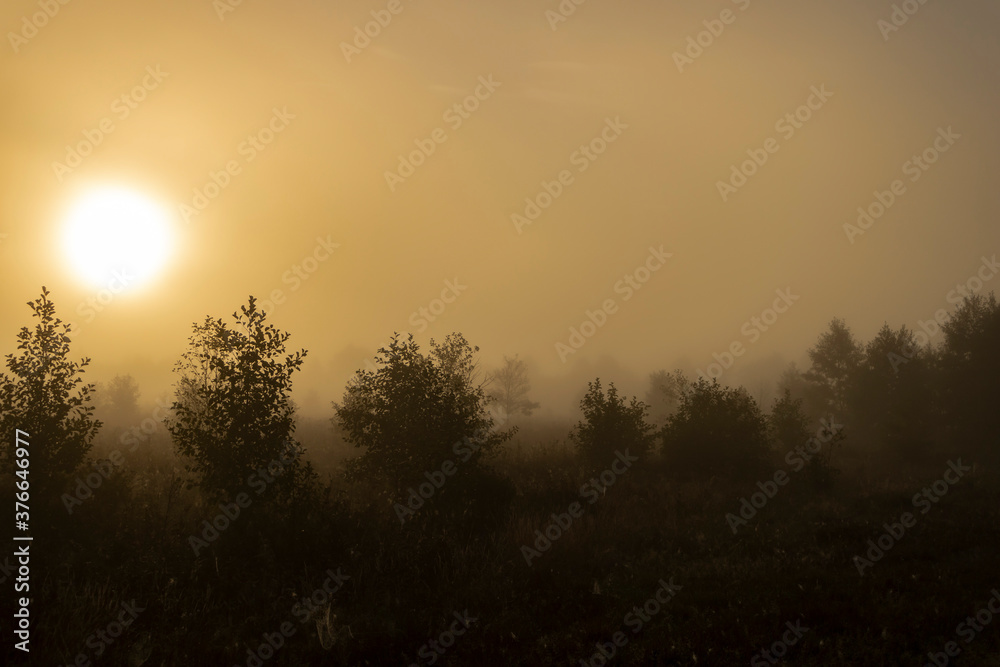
716, 430
46, 398
789, 430
232, 414
416, 412
787, 423
610, 425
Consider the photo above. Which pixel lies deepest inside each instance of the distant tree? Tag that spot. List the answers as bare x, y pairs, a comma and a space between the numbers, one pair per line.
610, 425
119, 397
664, 395
789, 430
716, 430
456, 358
891, 395
45, 396
969, 367
792, 381
509, 387
123, 391
814, 398
835, 358
232, 413
787, 423
415, 412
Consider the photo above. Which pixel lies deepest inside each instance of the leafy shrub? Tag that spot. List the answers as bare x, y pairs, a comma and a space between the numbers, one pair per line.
610, 425
232, 414
414, 413
716, 430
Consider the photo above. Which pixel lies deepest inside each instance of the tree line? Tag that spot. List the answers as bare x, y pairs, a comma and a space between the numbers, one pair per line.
232, 412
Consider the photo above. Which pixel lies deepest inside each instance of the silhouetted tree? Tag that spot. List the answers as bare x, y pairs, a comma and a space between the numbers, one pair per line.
813, 397
456, 358
835, 358
610, 425
970, 367
789, 429
232, 413
119, 397
664, 395
716, 429
891, 399
787, 423
415, 412
509, 387
45, 396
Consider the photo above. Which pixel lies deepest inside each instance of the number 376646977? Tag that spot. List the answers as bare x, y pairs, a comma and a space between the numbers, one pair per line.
21, 514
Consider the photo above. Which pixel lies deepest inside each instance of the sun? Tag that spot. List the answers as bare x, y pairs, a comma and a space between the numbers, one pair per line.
117, 236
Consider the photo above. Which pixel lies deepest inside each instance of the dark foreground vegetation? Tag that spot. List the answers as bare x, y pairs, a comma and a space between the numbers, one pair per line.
854, 521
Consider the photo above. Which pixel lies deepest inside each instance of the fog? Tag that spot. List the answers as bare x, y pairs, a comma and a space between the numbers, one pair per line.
541, 97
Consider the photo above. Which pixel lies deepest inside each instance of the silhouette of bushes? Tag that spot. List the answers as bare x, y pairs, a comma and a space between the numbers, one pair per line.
232, 415
610, 425
130, 541
45, 396
969, 370
422, 418
716, 430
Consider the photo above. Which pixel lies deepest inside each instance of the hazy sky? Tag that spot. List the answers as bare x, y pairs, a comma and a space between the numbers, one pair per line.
672, 130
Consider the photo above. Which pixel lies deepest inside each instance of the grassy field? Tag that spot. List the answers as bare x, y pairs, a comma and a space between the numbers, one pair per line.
465, 583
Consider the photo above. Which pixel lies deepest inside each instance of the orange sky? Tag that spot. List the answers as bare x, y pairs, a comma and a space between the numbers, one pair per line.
539, 98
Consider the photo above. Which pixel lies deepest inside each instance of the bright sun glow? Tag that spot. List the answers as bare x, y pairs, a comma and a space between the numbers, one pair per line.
117, 236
